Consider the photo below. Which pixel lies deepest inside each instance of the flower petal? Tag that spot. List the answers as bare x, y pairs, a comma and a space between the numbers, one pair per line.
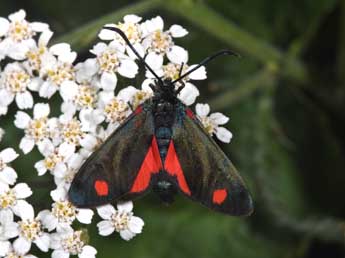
88, 252
41, 110
202, 110
108, 81
223, 134
106, 211
4, 26
136, 224
22, 190
198, 74
154, 60
26, 144
22, 120
43, 242
219, 118
189, 94
21, 245
177, 31
85, 216
105, 228
60, 254
8, 155
177, 55
128, 68
8, 175
125, 206
127, 234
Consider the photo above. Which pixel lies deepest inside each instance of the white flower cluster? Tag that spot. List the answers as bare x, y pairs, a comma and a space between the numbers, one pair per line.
90, 111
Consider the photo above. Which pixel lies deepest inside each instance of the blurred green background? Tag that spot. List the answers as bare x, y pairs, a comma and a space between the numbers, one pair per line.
286, 102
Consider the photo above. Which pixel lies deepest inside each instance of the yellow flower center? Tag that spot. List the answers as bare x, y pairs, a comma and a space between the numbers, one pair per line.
120, 220
38, 129
86, 96
7, 199
61, 73
71, 132
30, 229
161, 41
73, 243
20, 30
17, 81
108, 61
64, 211
116, 111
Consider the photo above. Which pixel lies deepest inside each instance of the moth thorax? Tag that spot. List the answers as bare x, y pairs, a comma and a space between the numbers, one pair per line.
166, 191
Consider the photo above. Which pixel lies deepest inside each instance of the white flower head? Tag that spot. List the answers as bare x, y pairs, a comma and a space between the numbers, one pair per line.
132, 29
31, 230
212, 122
36, 129
18, 33
159, 43
15, 83
111, 60
13, 199
121, 220
69, 242
63, 212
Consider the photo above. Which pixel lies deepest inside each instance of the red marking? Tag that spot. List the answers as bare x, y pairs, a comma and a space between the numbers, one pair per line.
101, 188
173, 167
219, 196
138, 110
151, 165
190, 113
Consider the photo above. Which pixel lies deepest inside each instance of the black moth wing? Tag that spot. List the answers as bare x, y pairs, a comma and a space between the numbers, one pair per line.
211, 177
115, 165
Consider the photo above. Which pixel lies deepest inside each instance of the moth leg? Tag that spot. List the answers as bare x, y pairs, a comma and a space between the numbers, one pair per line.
130, 106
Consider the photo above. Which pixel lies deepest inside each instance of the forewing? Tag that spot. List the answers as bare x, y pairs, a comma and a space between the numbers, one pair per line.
207, 175
111, 171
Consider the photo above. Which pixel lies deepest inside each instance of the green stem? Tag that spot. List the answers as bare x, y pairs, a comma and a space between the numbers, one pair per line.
81, 38
264, 78
231, 34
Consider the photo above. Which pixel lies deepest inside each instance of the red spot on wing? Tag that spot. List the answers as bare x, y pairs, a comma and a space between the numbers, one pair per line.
219, 196
190, 113
151, 165
173, 167
101, 188
138, 110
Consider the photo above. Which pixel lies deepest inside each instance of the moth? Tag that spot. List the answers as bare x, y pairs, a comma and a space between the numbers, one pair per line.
162, 146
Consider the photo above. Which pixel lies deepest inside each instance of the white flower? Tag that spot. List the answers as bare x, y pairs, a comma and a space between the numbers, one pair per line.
54, 157
15, 82
13, 198
68, 242
38, 53
31, 231
212, 122
8, 230
57, 70
7, 174
159, 43
36, 129
18, 34
120, 220
67, 171
132, 30
63, 212
111, 60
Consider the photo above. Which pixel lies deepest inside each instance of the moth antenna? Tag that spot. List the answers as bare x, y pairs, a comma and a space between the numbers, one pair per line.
205, 61
124, 37
181, 68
